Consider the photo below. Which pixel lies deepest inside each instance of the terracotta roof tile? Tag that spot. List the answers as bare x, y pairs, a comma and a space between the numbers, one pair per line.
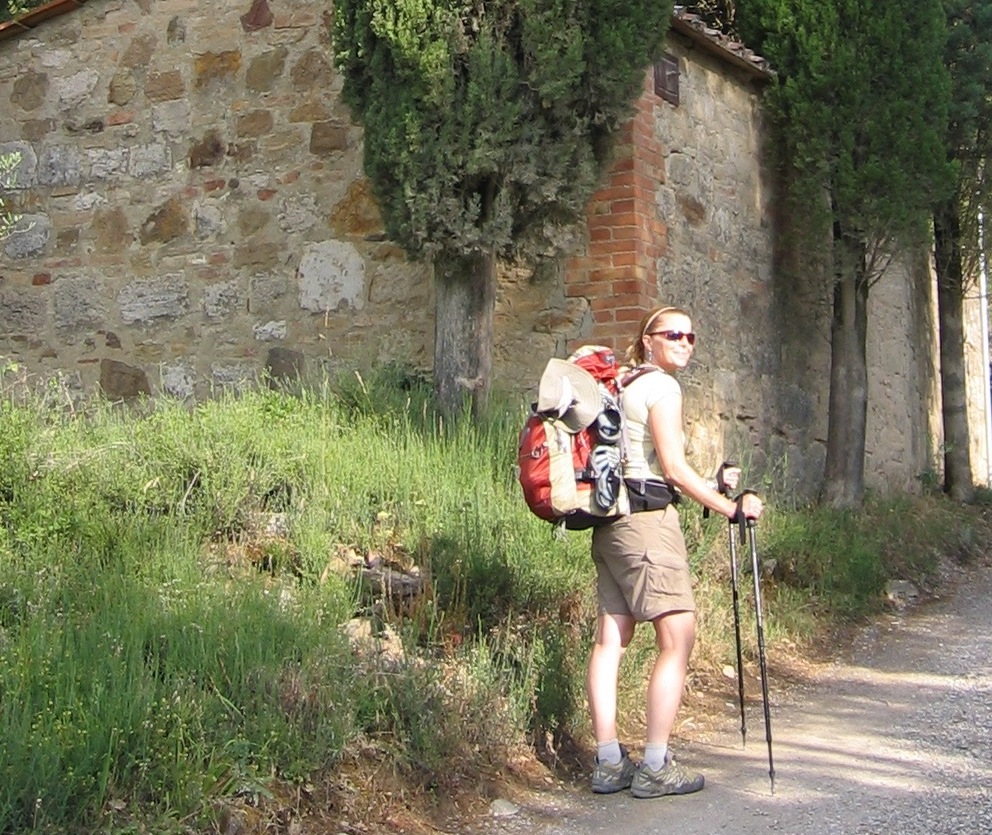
721, 45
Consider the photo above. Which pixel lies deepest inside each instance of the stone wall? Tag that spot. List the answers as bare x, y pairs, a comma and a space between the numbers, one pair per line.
194, 213
193, 205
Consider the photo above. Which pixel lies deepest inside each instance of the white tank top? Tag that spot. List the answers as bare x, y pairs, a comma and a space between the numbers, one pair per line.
637, 399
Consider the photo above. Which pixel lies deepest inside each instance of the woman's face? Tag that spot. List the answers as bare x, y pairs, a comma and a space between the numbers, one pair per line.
669, 341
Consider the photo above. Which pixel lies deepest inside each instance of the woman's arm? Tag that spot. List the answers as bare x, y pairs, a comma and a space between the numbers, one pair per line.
666, 426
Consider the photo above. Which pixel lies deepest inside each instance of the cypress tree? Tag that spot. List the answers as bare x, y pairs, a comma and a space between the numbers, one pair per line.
968, 56
487, 126
861, 106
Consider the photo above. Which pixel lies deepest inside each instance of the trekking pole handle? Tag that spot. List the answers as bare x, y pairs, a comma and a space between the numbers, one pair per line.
721, 485
745, 522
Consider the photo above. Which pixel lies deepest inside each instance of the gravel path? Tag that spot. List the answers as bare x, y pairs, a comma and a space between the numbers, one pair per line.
896, 738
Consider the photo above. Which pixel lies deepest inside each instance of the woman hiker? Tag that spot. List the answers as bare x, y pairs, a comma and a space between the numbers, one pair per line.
642, 568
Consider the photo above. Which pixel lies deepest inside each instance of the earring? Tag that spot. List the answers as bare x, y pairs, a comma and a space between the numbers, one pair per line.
650, 356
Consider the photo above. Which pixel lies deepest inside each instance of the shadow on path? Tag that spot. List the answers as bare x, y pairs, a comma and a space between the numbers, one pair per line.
896, 740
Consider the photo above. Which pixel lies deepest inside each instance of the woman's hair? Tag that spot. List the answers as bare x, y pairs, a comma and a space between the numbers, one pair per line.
635, 353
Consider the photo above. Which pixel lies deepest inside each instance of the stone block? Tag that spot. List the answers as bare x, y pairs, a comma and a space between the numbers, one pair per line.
265, 70
111, 230
215, 66
313, 70
30, 90
179, 380
308, 112
148, 299
120, 381
208, 151
168, 222
107, 163
175, 32
75, 89
298, 213
208, 220
270, 331
29, 237
265, 290
78, 303
256, 123
25, 173
165, 86
235, 376
60, 165
35, 130
147, 161
331, 277
259, 255
171, 117
357, 214
284, 365
22, 312
138, 54
220, 300
328, 138
251, 219
123, 88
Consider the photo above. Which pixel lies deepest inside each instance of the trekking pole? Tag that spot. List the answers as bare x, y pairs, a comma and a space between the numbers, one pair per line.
722, 487
756, 569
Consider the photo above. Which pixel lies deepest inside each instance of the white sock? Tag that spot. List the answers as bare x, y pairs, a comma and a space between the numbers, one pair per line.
654, 755
609, 752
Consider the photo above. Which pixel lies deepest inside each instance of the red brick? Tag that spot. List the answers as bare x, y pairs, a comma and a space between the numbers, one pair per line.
615, 192
626, 259
630, 285
119, 117
608, 274
607, 248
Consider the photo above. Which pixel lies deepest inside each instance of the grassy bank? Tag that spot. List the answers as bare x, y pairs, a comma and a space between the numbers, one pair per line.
192, 619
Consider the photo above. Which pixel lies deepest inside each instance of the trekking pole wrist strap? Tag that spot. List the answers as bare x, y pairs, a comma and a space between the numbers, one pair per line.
739, 518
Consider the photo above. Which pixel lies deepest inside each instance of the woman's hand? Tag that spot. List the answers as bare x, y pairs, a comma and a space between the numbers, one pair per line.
750, 505
731, 477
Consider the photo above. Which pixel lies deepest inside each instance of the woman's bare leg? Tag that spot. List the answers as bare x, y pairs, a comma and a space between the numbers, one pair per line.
675, 634
613, 634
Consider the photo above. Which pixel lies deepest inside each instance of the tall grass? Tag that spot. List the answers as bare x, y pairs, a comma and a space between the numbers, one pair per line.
162, 651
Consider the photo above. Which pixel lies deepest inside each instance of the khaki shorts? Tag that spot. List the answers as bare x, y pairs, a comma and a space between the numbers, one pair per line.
642, 568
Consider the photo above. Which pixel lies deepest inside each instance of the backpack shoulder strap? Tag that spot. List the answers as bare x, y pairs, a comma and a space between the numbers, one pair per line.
634, 374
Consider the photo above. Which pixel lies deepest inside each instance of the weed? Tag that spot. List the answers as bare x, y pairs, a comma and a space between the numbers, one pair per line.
180, 598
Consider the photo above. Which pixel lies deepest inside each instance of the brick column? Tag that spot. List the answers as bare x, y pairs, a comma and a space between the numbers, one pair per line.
617, 272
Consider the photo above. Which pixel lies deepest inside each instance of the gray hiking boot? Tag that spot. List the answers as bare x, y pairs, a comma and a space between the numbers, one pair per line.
672, 779
608, 778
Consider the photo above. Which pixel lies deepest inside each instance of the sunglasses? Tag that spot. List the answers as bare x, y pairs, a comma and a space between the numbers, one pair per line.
676, 336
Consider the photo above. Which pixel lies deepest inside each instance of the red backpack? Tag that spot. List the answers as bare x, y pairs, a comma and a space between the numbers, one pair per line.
575, 478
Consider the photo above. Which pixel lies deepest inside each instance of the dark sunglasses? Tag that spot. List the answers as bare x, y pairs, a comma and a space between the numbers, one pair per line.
676, 336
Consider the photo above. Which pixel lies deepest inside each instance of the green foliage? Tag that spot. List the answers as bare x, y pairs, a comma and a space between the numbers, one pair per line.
12, 9
862, 103
487, 126
8, 164
719, 14
159, 656
968, 56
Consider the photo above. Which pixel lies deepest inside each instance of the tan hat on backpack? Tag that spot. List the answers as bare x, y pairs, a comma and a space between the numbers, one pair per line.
570, 394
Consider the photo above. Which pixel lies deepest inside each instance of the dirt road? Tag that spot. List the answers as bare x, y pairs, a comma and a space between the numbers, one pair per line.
894, 738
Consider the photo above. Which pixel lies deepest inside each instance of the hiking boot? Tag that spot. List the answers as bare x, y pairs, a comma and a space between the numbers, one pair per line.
608, 778
672, 779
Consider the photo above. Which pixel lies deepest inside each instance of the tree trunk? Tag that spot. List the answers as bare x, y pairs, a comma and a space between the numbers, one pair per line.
463, 330
958, 478
844, 477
